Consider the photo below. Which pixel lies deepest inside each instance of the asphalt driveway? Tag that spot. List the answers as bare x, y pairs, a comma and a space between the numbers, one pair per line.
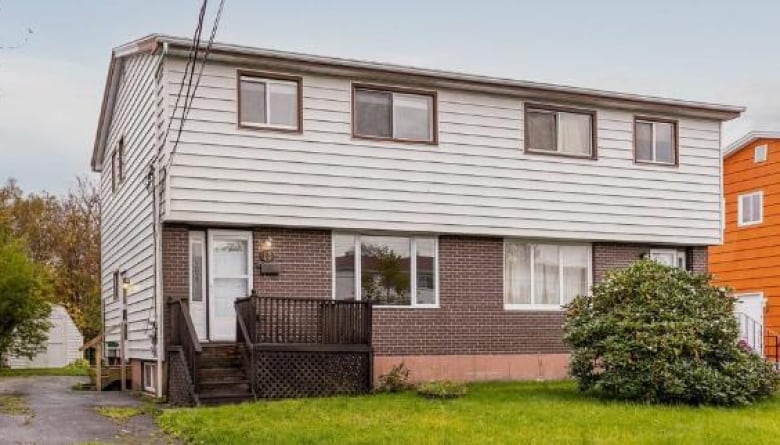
61, 415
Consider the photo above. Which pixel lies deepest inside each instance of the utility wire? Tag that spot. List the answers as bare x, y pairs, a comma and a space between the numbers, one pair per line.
190, 97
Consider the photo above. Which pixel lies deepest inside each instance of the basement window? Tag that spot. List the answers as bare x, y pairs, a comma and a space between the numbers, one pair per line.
150, 377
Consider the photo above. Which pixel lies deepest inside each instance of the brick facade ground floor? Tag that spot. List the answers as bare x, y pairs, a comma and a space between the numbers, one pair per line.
469, 336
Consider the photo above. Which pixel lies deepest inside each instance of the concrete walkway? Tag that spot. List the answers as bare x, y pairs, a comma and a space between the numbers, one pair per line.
64, 416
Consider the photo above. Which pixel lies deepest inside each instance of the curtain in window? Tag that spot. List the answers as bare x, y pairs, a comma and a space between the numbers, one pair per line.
575, 271
283, 101
412, 116
517, 273
546, 275
574, 133
664, 142
373, 113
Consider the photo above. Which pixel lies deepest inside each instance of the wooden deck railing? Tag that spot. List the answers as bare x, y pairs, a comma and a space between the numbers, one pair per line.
184, 336
285, 320
246, 325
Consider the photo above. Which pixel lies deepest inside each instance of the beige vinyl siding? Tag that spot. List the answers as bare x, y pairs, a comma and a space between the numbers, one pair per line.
127, 242
477, 180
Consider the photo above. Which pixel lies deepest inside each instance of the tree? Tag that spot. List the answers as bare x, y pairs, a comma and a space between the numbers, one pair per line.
659, 334
24, 310
62, 235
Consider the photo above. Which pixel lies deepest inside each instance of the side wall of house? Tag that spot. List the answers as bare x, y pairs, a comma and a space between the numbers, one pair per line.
476, 181
127, 240
749, 259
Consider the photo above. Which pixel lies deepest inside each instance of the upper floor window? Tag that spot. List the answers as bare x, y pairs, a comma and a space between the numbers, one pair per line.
750, 208
394, 114
760, 153
561, 131
118, 165
544, 276
655, 141
269, 101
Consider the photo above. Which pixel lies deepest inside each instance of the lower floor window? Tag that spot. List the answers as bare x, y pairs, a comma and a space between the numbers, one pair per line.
669, 257
387, 270
150, 377
544, 275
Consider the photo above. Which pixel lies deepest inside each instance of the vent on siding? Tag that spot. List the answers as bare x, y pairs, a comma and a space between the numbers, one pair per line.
760, 153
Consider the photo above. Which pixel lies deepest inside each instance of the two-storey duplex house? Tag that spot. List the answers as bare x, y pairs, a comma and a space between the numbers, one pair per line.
748, 261
467, 209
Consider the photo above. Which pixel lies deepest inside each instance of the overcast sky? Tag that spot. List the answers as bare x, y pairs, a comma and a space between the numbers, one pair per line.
715, 51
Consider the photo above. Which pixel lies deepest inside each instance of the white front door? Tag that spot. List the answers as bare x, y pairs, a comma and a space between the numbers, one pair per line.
230, 277
198, 310
751, 326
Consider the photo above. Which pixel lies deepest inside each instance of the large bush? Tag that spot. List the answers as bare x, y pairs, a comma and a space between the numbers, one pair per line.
660, 334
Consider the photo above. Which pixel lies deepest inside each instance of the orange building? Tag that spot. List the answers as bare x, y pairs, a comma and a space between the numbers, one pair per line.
749, 258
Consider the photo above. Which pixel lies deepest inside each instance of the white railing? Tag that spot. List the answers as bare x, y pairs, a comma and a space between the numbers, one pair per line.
752, 332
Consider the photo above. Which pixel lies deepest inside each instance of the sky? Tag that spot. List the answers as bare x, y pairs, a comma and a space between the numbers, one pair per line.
51, 80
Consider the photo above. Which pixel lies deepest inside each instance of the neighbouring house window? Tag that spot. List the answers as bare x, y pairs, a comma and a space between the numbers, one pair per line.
269, 101
544, 276
751, 208
197, 266
394, 114
150, 377
670, 257
655, 141
387, 270
560, 131
760, 153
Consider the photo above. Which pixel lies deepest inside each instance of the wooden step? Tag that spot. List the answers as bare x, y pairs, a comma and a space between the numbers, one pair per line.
224, 397
220, 373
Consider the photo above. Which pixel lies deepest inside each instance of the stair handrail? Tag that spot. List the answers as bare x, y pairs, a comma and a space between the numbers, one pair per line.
769, 333
185, 336
243, 332
757, 329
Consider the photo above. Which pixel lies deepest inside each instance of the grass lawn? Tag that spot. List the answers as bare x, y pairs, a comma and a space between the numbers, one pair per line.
65, 371
492, 413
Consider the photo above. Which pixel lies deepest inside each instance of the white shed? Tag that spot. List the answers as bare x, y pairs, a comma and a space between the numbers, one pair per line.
62, 347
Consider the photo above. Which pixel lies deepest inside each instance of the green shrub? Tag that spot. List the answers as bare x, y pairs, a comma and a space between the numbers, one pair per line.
442, 390
660, 334
396, 380
79, 364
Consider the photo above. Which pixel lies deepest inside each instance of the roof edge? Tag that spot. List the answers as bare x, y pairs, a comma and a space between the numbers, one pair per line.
747, 139
729, 111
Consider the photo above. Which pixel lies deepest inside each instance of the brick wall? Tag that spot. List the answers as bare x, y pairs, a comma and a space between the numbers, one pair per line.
304, 260
608, 256
175, 270
471, 318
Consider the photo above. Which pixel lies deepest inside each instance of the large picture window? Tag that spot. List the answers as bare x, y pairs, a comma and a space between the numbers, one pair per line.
387, 270
544, 276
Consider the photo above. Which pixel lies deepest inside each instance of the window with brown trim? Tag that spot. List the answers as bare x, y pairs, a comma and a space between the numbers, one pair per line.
121, 159
269, 101
560, 131
396, 114
114, 179
655, 141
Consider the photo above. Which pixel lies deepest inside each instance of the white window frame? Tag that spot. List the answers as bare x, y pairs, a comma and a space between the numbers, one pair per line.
653, 148
760, 153
268, 82
740, 198
677, 254
413, 271
147, 387
544, 307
